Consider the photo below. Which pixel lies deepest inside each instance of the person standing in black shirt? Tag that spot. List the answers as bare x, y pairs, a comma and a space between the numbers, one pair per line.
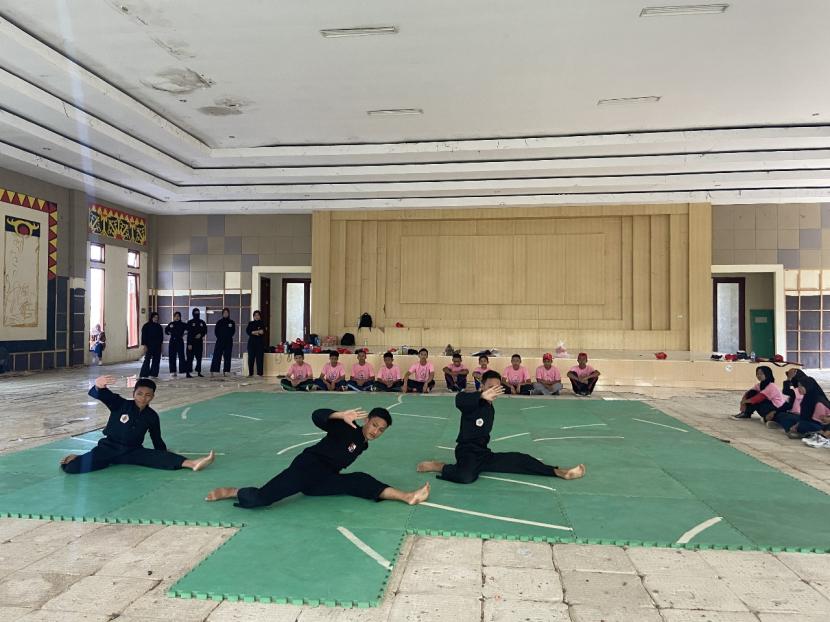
256, 344
225, 330
316, 471
128, 423
473, 456
196, 333
152, 339
176, 330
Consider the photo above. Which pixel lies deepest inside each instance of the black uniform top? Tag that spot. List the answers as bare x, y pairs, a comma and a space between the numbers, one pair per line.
255, 340
152, 335
176, 330
127, 424
341, 446
225, 329
196, 330
477, 417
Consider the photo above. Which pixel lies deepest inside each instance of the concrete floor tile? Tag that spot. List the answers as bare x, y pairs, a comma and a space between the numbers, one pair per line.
790, 617
11, 527
64, 616
253, 612
772, 595
435, 579
671, 592
12, 614
108, 595
156, 605
517, 554
822, 587
71, 560
688, 615
335, 614
522, 584
807, 565
31, 589
676, 562
57, 533
428, 608
747, 564
447, 551
592, 558
17, 555
497, 610
605, 591
588, 613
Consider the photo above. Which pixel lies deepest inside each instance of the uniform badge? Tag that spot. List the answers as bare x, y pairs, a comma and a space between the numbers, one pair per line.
351, 448
124, 418
479, 422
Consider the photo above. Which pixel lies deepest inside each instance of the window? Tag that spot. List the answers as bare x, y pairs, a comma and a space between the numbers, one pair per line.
133, 259
96, 297
96, 252
132, 310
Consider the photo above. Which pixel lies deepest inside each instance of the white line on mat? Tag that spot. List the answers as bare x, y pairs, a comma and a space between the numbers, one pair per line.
397, 403
662, 425
587, 425
85, 440
698, 528
565, 438
504, 438
380, 559
198, 453
531, 407
421, 416
495, 517
184, 412
517, 481
282, 451
243, 416
312, 433
443, 447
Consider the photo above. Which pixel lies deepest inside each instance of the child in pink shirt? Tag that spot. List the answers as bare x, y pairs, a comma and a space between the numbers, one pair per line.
483, 362
421, 376
362, 374
515, 378
764, 398
389, 375
548, 378
583, 377
299, 376
333, 376
456, 374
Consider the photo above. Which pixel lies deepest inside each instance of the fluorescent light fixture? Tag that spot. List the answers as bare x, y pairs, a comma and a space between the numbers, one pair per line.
394, 112
651, 99
363, 31
684, 9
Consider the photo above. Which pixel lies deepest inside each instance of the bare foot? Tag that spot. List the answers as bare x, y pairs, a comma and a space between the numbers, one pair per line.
430, 466
204, 462
68, 459
217, 494
418, 496
572, 473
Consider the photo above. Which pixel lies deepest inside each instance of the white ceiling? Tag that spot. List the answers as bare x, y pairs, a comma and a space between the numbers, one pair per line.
205, 106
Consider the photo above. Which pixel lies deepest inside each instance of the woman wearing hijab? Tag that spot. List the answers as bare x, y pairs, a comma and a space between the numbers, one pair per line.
764, 398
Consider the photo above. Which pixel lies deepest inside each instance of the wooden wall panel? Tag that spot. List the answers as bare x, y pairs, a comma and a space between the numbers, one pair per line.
641, 272
660, 303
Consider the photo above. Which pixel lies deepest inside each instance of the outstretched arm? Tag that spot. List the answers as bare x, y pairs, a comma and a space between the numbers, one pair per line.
100, 392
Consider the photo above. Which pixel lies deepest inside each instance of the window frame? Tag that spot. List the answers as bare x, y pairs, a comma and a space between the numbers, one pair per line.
137, 309
103, 253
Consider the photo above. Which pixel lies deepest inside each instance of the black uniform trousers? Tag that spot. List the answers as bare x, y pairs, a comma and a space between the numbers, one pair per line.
524, 389
150, 366
256, 358
305, 385
583, 387
195, 351
107, 453
176, 357
763, 409
222, 349
416, 386
472, 460
311, 477
381, 386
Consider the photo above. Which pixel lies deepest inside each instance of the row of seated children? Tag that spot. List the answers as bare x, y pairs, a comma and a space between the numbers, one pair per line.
420, 378
801, 409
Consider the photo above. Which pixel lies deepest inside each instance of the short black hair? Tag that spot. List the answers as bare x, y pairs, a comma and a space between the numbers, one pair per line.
518, 356
389, 355
153, 314
490, 373
299, 353
456, 354
423, 350
175, 313
381, 413
334, 353
145, 382
484, 356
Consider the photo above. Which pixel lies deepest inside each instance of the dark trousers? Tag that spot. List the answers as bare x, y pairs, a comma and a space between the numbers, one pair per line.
352, 384
98, 349
395, 388
456, 383
418, 387
150, 366
583, 387
471, 461
195, 351
305, 385
804, 426
525, 389
339, 385
177, 360
222, 349
309, 476
106, 453
256, 358
762, 408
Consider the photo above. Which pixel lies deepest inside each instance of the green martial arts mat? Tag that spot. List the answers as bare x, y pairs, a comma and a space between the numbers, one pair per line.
651, 481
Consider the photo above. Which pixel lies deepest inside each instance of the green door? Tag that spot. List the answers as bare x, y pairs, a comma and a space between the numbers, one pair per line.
762, 331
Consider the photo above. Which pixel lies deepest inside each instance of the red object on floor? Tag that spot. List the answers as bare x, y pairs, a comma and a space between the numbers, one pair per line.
662, 356
398, 325
316, 350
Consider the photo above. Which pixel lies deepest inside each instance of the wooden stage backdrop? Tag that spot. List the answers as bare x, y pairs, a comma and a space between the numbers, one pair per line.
611, 277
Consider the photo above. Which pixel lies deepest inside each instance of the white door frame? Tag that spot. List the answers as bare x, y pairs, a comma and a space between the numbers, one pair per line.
777, 271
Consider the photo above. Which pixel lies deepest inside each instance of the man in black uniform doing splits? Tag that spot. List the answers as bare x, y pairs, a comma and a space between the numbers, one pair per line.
129, 422
473, 457
316, 471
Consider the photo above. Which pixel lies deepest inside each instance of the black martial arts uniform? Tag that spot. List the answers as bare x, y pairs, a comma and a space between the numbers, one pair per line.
256, 347
224, 331
196, 333
316, 471
472, 456
152, 338
123, 438
176, 348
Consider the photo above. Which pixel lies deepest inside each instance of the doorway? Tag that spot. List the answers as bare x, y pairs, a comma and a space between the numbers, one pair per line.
728, 321
265, 306
296, 309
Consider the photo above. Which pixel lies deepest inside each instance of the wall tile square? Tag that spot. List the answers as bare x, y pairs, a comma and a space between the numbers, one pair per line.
809, 239
199, 263
723, 257
181, 263
215, 263
744, 239
268, 245
216, 245
788, 239
766, 217
790, 258
248, 262
164, 280
233, 280
809, 216
165, 261
198, 244
216, 225
198, 280
810, 259
215, 280
745, 256
181, 280
744, 216
250, 244
232, 262
766, 239
788, 216
246, 280
233, 245
722, 217
825, 215
825, 258
766, 256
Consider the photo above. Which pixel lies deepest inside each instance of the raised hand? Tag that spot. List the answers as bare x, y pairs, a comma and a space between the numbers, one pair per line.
492, 393
350, 416
102, 381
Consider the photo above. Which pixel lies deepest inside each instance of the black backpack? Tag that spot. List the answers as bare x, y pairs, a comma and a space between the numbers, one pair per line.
347, 340
365, 321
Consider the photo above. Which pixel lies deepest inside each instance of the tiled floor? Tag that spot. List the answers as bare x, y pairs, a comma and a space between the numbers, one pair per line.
68, 572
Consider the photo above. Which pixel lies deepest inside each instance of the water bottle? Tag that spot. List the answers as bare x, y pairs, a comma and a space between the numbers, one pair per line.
752, 356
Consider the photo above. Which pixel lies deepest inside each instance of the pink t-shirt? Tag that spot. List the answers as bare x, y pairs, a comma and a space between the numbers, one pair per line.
796, 407
456, 369
480, 370
581, 373
333, 373
389, 374
300, 372
819, 411
421, 372
362, 372
773, 394
548, 375
516, 376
